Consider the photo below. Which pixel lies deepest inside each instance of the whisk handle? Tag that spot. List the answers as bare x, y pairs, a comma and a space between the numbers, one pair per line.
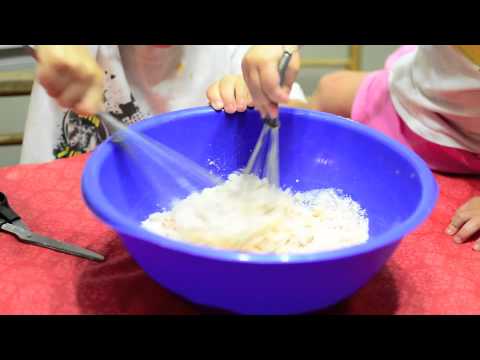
283, 65
282, 69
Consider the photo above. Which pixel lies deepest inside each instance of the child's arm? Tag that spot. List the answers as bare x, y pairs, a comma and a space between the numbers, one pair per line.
70, 74
466, 222
260, 71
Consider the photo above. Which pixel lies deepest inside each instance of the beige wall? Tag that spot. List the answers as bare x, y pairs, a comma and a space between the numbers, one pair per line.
373, 57
13, 110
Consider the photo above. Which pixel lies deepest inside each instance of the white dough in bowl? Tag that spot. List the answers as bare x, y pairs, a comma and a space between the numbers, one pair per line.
247, 214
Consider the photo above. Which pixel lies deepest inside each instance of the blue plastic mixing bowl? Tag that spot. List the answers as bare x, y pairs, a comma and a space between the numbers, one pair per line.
319, 150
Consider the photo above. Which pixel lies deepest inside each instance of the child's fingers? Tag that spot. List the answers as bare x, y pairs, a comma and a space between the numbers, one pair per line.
467, 230
227, 92
72, 95
214, 97
242, 95
457, 222
262, 109
67, 83
53, 84
476, 245
471, 205
272, 110
253, 82
270, 81
92, 102
249, 100
451, 229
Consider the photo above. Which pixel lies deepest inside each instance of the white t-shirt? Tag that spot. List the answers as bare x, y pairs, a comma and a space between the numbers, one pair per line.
436, 91
140, 81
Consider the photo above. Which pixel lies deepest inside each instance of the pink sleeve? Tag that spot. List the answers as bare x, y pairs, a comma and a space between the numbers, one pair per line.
401, 51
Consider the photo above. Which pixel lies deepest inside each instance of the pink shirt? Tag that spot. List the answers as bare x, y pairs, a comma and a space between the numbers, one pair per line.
420, 101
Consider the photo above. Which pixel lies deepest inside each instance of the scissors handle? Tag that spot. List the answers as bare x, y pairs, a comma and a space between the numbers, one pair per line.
6, 212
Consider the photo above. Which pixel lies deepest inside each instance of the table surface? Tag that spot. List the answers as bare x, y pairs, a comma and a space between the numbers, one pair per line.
428, 273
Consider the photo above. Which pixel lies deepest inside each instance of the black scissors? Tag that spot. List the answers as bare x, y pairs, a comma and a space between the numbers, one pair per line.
11, 223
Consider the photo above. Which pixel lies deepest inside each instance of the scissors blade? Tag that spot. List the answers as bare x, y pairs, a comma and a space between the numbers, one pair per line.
20, 223
34, 239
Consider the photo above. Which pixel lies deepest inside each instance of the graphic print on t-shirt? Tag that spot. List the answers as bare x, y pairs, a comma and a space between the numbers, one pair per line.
81, 134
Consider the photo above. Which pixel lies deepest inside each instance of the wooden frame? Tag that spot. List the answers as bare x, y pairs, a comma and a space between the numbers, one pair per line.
15, 83
11, 139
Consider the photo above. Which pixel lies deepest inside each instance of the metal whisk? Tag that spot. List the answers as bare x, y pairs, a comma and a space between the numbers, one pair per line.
269, 138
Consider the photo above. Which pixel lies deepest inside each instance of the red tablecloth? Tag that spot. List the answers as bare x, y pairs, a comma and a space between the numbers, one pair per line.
428, 274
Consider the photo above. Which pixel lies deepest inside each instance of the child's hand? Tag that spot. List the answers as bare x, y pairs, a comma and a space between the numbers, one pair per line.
230, 93
71, 76
466, 222
260, 70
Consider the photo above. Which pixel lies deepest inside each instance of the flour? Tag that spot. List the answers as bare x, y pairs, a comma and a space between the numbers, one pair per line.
249, 215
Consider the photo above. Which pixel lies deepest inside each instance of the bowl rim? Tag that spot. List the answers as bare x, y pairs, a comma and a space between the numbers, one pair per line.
102, 208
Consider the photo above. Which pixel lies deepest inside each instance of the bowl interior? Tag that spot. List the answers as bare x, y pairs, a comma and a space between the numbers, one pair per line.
317, 150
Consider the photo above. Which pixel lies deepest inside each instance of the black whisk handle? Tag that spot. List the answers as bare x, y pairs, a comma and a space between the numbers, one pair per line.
282, 69
283, 65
